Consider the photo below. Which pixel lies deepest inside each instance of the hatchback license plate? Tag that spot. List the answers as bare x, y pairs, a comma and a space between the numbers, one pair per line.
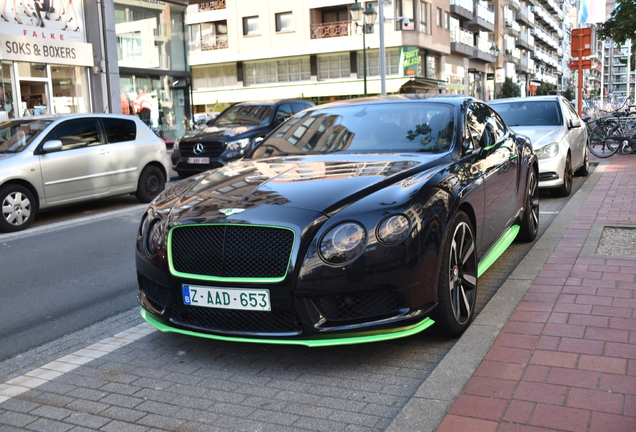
227, 298
200, 160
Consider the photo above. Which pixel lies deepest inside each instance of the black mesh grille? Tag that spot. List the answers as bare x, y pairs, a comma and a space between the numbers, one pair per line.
362, 304
232, 251
155, 293
210, 149
228, 320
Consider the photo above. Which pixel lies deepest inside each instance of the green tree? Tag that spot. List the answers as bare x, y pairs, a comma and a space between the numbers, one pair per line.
544, 89
621, 23
510, 89
569, 93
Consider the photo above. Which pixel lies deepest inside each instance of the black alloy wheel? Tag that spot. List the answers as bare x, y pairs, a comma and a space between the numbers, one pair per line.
151, 183
566, 188
18, 208
529, 227
457, 289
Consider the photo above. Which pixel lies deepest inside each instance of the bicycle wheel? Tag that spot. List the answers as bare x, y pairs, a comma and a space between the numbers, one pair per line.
598, 142
625, 138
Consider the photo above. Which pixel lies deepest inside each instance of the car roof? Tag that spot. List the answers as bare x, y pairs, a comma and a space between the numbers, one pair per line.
527, 99
273, 102
410, 97
54, 117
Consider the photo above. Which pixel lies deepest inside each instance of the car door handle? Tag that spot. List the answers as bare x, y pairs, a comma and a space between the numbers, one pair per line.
104, 151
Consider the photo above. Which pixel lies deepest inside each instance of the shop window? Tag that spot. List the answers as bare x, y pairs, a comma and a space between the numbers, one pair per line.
284, 22
119, 130
391, 62
334, 66
288, 70
7, 110
76, 134
214, 76
251, 26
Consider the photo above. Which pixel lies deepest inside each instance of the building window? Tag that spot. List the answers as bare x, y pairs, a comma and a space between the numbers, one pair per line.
284, 22
447, 20
297, 69
407, 9
250, 26
424, 8
391, 62
333, 66
439, 17
214, 76
208, 36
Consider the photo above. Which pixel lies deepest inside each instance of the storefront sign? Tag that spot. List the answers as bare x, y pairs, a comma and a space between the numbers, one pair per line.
22, 48
410, 60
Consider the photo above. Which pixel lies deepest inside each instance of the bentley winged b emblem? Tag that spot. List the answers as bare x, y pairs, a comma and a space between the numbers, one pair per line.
231, 211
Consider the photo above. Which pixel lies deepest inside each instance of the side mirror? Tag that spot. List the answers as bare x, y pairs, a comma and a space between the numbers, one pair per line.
52, 146
574, 123
280, 120
487, 139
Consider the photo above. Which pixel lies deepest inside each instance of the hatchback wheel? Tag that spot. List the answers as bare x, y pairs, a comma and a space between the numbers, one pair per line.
151, 183
18, 208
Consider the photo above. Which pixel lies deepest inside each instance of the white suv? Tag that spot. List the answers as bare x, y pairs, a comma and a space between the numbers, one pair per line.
47, 161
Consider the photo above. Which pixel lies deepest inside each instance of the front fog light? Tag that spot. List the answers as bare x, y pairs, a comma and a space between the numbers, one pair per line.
343, 243
394, 229
153, 237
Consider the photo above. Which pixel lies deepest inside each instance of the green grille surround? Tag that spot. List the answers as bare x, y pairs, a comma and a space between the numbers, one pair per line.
175, 272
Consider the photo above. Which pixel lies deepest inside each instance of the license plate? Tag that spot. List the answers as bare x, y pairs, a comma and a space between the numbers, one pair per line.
227, 298
201, 160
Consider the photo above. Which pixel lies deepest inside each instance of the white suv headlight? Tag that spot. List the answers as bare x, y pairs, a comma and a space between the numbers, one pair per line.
549, 151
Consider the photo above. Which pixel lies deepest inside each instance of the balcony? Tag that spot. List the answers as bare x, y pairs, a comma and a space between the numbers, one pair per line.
332, 29
525, 40
482, 51
512, 4
209, 43
525, 65
462, 42
553, 7
483, 19
462, 9
525, 16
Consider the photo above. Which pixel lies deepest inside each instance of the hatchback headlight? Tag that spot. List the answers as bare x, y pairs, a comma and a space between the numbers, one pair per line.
343, 243
238, 144
549, 151
394, 229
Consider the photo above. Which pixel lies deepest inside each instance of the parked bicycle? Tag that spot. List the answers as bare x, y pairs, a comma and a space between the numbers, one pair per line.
613, 134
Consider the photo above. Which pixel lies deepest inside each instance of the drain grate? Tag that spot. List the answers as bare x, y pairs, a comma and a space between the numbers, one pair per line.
617, 241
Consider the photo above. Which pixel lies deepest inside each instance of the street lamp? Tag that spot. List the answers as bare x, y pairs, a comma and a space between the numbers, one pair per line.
369, 18
494, 51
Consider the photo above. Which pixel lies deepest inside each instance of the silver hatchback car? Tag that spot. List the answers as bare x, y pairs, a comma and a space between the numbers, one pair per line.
558, 136
47, 161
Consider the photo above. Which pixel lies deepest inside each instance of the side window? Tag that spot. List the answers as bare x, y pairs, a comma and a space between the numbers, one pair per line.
76, 134
498, 124
119, 130
285, 111
572, 110
299, 106
476, 117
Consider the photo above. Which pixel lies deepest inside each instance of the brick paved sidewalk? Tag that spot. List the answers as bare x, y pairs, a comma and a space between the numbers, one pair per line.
566, 358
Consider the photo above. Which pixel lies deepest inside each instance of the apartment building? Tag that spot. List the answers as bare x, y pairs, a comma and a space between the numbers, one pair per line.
256, 50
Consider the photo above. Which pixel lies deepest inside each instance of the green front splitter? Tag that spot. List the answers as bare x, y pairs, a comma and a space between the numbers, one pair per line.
348, 339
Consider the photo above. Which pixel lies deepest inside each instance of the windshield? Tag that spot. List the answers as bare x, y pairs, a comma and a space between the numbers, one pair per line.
16, 135
529, 113
253, 115
364, 128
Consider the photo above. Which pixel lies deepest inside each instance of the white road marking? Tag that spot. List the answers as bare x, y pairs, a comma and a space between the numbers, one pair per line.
59, 367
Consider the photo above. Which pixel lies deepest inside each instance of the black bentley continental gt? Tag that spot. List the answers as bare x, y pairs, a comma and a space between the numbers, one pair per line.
356, 221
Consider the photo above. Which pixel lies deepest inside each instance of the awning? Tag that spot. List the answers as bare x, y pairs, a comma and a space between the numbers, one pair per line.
303, 90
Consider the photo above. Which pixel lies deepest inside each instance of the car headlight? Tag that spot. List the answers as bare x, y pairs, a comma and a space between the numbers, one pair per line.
549, 151
394, 229
343, 243
238, 144
153, 236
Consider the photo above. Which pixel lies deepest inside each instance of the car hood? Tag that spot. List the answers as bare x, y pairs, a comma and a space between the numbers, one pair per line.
218, 133
541, 135
320, 184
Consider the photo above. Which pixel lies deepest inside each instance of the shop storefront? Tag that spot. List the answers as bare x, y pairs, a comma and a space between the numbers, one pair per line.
154, 79
45, 61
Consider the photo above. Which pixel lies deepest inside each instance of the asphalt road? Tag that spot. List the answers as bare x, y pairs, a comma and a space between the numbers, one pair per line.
75, 267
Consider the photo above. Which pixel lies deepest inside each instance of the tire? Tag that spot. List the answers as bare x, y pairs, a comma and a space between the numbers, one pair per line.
151, 183
584, 169
18, 208
529, 226
566, 188
598, 143
457, 286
